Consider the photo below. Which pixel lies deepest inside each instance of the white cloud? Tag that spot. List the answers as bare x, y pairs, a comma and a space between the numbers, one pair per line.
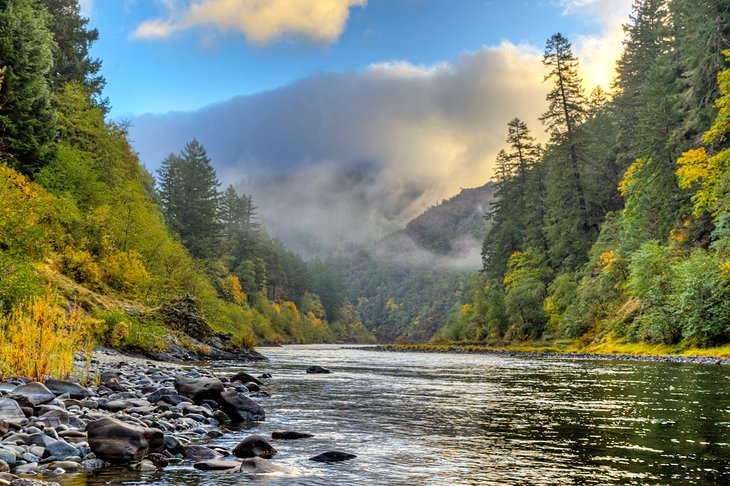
261, 21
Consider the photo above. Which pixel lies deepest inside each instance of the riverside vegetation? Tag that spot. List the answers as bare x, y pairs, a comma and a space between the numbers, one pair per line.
86, 231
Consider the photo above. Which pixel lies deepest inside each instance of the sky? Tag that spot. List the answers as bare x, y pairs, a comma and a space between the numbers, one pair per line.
343, 118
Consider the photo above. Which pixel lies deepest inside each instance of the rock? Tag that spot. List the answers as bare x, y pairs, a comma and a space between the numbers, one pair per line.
27, 468
258, 465
67, 465
173, 445
146, 466
35, 393
217, 465
252, 387
183, 314
244, 377
119, 442
199, 389
333, 456
240, 408
62, 450
159, 460
4, 466
9, 409
265, 376
59, 387
200, 453
318, 370
4, 427
290, 435
8, 456
254, 446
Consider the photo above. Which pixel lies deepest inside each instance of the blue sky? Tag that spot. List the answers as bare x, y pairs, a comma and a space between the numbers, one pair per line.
200, 65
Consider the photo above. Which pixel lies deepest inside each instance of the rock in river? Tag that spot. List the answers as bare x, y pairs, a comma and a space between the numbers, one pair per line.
254, 446
318, 370
35, 393
240, 408
244, 377
199, 389
290, 435
118, 442
333, 456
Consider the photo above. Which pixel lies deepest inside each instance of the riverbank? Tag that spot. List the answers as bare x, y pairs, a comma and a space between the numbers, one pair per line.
548, 353
136, 413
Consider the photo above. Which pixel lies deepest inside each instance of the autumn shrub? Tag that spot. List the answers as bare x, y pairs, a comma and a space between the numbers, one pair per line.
113, 328
232, 290
39, 339
125, 272
19, 281
80, 266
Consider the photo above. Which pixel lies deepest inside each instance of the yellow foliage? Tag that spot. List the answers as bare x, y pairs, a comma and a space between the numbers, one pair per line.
276, 307
80, 266
39, 339
291, 306
391, 305
232, 290
465, 309
630, 177
124, 271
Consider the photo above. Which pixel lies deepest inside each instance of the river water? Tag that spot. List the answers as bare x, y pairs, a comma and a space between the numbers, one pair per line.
477, 419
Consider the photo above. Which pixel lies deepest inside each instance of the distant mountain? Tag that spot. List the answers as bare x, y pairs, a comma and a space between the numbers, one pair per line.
450, 231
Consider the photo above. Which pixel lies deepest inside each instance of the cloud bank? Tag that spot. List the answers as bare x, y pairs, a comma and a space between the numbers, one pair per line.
261, 21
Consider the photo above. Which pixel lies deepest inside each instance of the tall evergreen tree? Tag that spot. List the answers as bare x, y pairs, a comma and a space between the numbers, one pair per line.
189, 194
27, 122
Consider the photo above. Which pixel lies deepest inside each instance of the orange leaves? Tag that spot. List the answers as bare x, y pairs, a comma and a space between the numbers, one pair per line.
232, 290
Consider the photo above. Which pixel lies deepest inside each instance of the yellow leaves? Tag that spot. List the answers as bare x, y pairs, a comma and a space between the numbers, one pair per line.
466, 309
725, 267
39, 339
292, 308
124, 271
276, 307
391, 305
608, 262
232, 290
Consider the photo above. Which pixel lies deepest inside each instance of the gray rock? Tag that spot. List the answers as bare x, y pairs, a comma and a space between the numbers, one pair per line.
333, 456
289, 435
258, 465
244, 377
7, 456
318, 370
199, 389
59, 387
35, 393
217, 465
240, 408
62, 450
4, 466
118, 442
26, 468
200, 453
9, 409
146, 466
254, 446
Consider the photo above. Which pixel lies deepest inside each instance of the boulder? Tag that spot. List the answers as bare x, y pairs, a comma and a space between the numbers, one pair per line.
61, 450
252, 387
217, 465
199, 389
59, 387
35, 393
240, 408
244, 377
200, 453
184, 315
9, 409
118, 442
290, 435
258, 465
333, 456
318, 370
254, 446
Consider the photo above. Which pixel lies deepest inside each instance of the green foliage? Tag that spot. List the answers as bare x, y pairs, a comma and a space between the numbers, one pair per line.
113, 328
19, 281
27, 123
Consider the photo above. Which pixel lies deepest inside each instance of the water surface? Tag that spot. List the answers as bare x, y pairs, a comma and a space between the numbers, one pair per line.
478, 419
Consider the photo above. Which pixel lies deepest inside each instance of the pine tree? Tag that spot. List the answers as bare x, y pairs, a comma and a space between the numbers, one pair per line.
27, 122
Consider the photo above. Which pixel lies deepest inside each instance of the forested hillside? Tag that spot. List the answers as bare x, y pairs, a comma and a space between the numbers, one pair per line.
618, 230
84, 225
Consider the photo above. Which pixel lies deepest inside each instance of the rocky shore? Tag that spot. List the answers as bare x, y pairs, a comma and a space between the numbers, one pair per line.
135, 413
707, 360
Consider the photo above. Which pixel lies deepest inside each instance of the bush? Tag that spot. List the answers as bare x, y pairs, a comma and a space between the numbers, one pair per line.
113, 328
125, 272
19, 281
80, 266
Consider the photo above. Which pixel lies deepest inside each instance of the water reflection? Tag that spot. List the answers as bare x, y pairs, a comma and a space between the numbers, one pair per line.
460, 419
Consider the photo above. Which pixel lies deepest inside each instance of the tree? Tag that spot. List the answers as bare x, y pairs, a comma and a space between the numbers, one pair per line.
27, 123
73, 39
189, 194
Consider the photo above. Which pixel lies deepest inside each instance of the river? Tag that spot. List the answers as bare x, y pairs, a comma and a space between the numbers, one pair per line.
478, 419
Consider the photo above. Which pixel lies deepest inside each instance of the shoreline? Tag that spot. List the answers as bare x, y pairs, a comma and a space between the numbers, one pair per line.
445, 349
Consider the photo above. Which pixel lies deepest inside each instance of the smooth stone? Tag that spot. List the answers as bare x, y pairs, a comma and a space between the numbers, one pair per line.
217, 465
67, 465
244, 377
240, 408
252, 387
4, 466
119, 442
199, 389
254, 446
9, 409
173, 445
159, 460
146, 466
258, 465
60, 387
318, 370
333, 456
290, 435
8, 456
200, 453
26, 468
35, 393
62, 450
